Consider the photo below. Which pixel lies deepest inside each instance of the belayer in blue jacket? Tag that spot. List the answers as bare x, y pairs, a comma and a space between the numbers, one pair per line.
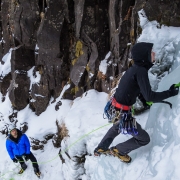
18, 146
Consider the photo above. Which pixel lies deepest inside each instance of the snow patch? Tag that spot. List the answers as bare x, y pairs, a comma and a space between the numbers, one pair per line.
5, 66
103, 65
33, 79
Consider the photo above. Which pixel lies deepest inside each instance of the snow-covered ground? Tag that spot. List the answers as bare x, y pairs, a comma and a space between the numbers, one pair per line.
83, 117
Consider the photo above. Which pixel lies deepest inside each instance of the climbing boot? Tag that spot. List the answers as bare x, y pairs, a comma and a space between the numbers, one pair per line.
24, 167
99, 151
124, 158
37, 172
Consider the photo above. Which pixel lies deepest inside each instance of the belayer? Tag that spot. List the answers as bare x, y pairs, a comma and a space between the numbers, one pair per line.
134, 82
18, 146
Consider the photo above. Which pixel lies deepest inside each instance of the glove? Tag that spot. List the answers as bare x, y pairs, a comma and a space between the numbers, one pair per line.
173, 90
26, 156
15, 160
172, 87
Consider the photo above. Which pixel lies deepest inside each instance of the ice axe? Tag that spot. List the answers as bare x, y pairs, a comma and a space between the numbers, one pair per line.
166, 102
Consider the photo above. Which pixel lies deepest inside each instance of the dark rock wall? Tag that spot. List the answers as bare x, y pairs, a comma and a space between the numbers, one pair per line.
5, 33
65, 41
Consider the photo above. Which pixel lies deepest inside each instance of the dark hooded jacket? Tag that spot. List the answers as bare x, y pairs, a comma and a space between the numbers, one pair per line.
136, 81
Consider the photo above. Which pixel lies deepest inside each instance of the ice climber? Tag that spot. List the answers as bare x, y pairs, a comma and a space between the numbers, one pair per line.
133, 82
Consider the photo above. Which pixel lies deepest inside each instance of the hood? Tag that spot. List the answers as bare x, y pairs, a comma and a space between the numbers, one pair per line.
10, 137
141, 54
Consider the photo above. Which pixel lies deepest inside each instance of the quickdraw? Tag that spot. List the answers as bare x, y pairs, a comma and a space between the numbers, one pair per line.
127, 123
111, 113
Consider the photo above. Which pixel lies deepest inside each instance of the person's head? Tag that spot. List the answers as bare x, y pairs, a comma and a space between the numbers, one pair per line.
13, 131
143, 55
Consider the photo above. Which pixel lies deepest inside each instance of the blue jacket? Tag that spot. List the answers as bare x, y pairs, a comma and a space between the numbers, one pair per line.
18, 149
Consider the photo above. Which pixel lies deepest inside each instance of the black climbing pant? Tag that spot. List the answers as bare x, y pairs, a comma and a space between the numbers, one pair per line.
125, 147
32, 158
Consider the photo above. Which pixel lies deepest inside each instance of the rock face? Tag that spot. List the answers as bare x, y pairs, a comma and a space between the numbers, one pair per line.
164, 11
64, 41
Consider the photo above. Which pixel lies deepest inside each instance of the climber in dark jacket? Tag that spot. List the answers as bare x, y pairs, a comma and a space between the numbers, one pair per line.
134, 81
18, 146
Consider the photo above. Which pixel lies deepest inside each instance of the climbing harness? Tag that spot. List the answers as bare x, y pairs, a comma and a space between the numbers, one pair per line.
118, 113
